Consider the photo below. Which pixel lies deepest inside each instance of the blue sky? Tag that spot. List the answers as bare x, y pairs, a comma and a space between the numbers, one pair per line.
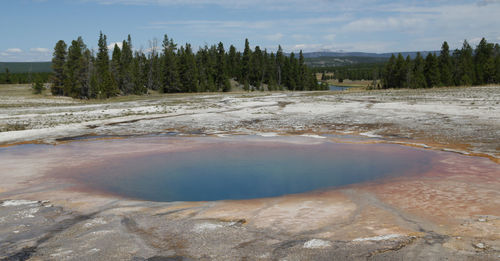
29, 29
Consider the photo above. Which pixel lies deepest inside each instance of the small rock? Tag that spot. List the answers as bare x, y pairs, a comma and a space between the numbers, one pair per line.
480, 245
317, 243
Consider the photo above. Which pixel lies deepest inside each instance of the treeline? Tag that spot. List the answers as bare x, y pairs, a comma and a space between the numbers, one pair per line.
79, 73
464, 67
14, 78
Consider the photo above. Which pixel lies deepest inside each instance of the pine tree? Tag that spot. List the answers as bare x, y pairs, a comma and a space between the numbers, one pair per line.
58, 61
139, 73
497, 63
270, 75
245, 62
233, 62
220, 78
484, 62
388, 80
116, 67
227, 85
188, 70
279, 66
255, 76
37, 85
431, 71
86, 73
401, 67
170, 69
76, 70
126, 65
291, 69
106, 86
465, 65
303, 84
445, 65
417, 79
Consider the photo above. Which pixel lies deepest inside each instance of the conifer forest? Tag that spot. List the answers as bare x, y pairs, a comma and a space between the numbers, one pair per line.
79, 73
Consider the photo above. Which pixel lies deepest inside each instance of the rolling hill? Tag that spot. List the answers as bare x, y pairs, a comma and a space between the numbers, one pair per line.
22, 67
314, 59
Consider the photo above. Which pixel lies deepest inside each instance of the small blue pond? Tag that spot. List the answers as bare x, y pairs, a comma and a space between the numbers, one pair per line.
338, 88
246, 170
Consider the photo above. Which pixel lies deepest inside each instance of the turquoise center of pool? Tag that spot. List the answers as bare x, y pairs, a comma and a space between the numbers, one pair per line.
246, 170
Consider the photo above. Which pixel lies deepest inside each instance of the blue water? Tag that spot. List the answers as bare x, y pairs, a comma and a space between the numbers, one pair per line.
338, 88
245, 170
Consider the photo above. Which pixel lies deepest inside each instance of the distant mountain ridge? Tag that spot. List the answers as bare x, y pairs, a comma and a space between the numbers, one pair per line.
314, 59
24, 67
362, 54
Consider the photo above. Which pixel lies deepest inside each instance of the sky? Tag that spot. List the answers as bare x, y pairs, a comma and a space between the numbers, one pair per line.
29, 29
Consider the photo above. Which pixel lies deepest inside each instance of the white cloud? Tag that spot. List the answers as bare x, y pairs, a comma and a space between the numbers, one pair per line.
14, 50
385, 24
318, 5
475, 40
39, 50
274, 37
111, 46
301, 37
329, 37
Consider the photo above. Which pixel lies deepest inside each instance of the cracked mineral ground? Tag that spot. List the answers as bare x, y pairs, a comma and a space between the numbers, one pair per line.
450, 210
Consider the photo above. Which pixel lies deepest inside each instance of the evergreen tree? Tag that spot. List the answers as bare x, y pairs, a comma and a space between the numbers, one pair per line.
256, 65
233, 63
220, 77
389, 79
126, 66
139, 73
58, 61
37, 85
484, 63
188, 70
227, 85
106, 87
465, 74
74, 70
417, 79
116, 67
86, 72
402, 66
154, 73
279, 66
445, 65
245, 62
497, 63
431, 71
303, 83
170, 69
270, 75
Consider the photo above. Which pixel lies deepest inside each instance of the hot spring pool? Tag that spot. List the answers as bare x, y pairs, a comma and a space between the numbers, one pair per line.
214, 169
